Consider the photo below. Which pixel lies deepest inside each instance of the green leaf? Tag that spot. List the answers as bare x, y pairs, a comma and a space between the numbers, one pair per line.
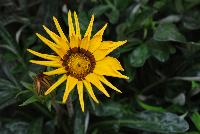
168, 32
161, 51
108, 109
36, 126
79, 124
27, 85
196, 120
14, 127
154, 122
4, 34
192, 133
29, 101
113, 16
191, 20
8, 92
139, 56
99, 10
150, 107
129, 70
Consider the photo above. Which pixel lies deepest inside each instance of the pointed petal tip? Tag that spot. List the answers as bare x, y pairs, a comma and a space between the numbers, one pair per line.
97, 101
82, 110
46, 93
31, 61
125, 41
64, 101
28, 50
37, 34
69, 12
107, 95
54, 18
119, 91
126, 77
44, 27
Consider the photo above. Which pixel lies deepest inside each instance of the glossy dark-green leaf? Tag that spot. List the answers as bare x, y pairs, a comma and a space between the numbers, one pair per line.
139, 56
168, 32
196, 120
36, 126
155, 122
29, 101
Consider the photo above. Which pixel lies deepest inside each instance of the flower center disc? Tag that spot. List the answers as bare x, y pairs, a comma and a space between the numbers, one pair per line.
79, 63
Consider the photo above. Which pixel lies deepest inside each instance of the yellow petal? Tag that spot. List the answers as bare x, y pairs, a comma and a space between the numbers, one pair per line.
101, 31
70, 24
64, 45
89, 29
74, 41
44, 56
117, 44
99, 54
85, 43
78, 34
107, 44
71, 83
62, 35
54, 36
105, 81
104, 67
47, 63
80, 94
112, 62
61, 42
90, 91
56, 84
52, 45
95, 42
93, 78
56, 71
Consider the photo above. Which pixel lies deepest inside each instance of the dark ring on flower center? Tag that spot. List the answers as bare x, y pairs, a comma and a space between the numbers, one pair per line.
78, 62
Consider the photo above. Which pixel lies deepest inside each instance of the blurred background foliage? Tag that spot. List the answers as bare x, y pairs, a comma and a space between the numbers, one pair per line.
162, 59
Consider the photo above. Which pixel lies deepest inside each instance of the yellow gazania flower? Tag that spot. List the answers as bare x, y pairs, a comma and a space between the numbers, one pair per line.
81, 61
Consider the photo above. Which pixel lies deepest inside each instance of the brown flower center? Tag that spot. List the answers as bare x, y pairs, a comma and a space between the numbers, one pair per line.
79, 63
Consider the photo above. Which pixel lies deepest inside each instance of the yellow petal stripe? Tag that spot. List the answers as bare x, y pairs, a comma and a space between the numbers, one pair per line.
118, 44
89, 29
93, 78
105, 81
101, 31
54, 36
107, 44
44, 56
56, 71
95, 42
78, 33
64, 45
104, 67
74, 41
62, 35
99, 54
52, 45
90, 91
71, 83
56, 84
85, 43
111, 62
80, 94
47, 63
70, 24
